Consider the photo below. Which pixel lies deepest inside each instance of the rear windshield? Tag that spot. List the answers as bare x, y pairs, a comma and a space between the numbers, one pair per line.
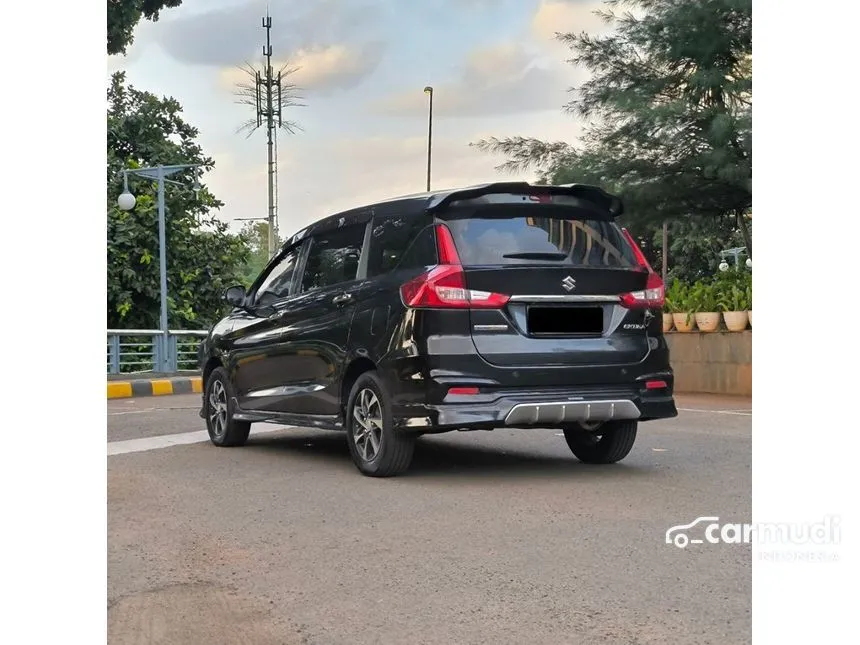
492, 240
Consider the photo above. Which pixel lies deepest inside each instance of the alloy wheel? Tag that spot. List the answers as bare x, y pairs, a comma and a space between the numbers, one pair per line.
367, 424
218, 408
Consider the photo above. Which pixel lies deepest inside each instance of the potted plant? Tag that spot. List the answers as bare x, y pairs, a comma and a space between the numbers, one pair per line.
733, 303
667, 314
678, 304
749, 301
703, 303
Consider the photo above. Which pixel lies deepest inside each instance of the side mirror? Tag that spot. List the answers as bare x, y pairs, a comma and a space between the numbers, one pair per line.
235, 296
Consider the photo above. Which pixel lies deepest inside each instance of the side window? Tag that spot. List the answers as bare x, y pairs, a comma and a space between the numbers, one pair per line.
400, 243
276, 285
333, 257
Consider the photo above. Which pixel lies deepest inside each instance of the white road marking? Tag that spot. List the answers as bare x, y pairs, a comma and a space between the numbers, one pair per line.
145, 444
114, 414
742, 413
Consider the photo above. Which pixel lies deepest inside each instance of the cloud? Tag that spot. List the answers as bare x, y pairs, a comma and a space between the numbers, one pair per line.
229, 36
319, 70
338, 66
374, 168
562, 16
475, 4
503, 79
370, 169
573, 16
325, 176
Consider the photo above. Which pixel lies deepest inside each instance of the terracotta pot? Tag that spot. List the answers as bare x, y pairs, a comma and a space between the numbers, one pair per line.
708, 321
736, 320
681, 323
667, 322
749, 315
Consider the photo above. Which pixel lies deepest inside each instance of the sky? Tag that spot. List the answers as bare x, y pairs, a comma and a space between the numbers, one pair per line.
361, 66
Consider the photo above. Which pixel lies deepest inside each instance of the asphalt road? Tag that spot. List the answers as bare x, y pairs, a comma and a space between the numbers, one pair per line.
498, 537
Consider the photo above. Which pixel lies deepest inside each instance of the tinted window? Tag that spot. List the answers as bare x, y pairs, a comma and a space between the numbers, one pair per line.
400, 243
524, 240
333, 257
276, 285
422, 252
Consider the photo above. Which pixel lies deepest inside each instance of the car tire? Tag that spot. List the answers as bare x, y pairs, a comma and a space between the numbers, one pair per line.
219, 407
608, 444
376, 448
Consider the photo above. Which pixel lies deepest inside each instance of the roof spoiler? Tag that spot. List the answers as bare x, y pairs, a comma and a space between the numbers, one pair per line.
592, 194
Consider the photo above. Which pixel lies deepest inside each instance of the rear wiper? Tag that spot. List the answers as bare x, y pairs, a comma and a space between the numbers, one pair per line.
535, 256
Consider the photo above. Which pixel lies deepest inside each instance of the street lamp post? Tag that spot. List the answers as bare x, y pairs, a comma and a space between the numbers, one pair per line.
126, 202
429, 91
665, 251
736, 254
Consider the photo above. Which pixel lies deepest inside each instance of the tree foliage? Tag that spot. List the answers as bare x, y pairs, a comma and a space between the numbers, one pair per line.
256, 237
667, 113
694, 244
123, 16
202, 257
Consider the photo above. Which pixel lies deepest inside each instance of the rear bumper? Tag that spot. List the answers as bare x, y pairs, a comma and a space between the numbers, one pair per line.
423, 390
538, 409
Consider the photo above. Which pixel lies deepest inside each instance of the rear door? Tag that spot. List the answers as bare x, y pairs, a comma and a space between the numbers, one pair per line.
565, 270
322, 313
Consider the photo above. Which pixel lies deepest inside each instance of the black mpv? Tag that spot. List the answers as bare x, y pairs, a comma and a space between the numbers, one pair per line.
501, 305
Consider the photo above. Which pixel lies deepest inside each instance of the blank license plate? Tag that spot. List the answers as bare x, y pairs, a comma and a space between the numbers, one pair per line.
565, 321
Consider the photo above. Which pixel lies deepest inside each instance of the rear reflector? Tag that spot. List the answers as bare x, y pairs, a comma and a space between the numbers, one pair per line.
444, 286
656, 385
653, 296
463, 391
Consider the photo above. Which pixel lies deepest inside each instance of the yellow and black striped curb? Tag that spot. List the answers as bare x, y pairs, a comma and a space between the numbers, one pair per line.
154, 387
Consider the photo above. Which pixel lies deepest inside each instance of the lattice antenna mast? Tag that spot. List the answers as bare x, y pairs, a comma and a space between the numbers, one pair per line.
266, 110
269, 93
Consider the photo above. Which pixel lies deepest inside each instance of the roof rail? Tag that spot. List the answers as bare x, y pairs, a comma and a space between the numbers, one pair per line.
592, 194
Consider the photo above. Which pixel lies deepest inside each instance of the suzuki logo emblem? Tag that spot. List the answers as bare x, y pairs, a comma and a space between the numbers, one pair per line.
568, 283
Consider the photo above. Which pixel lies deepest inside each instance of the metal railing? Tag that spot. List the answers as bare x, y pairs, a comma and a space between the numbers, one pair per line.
134, 351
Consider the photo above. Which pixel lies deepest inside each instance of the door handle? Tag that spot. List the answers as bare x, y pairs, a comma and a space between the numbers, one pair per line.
341, 299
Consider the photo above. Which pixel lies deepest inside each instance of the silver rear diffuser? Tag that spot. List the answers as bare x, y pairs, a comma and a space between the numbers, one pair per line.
571, 412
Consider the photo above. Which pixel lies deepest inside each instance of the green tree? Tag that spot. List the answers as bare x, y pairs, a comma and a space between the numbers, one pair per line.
123, 16
202, 257
256, 237
667, 110
694, 245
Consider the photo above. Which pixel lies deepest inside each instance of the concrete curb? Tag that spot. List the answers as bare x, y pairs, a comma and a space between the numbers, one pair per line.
154, 387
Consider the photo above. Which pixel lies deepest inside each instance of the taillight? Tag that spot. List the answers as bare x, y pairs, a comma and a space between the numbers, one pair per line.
445, 245
653, 296
649, 298
637, 252
463, 391
444, 286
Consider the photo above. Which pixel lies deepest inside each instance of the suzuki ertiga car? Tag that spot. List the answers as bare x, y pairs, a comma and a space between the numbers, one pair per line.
505, 305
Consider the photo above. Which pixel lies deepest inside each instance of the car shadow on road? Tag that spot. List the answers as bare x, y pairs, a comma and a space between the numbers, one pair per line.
434, 458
